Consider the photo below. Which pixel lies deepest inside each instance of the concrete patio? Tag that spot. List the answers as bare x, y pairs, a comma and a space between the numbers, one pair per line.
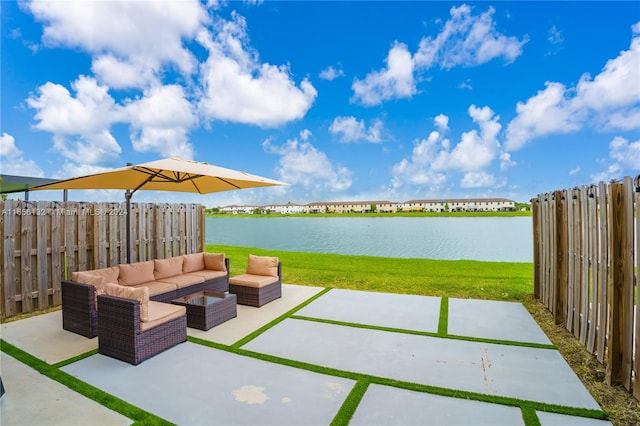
488, 362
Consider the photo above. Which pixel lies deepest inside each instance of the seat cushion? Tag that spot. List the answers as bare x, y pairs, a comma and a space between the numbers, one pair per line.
184, 280
250, 280
140, 294
163, 268
214, 262
207, 274
157, 287
192, 262
262, 265
136, 273
160, 312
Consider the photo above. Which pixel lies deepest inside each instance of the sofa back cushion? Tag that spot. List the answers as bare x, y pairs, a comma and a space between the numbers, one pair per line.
110, 275
193, 262
263, 265
141, 294
214, 262
167, 268
136, 273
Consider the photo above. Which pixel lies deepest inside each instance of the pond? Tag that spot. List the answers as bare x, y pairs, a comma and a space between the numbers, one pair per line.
502, 239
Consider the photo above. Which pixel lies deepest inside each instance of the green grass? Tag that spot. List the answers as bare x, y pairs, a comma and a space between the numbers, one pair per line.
452, 278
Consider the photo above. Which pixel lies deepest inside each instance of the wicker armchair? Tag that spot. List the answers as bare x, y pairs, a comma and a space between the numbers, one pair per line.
122, 334
260, 285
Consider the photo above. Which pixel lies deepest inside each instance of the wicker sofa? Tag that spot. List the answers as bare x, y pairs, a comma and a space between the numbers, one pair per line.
166, 279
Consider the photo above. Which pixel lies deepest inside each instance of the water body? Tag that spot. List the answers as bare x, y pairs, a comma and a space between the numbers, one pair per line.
502, 239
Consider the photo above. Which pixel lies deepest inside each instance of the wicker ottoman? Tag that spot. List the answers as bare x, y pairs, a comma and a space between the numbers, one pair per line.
255, 290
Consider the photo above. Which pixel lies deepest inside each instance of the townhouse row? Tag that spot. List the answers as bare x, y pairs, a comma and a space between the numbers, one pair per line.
441, 205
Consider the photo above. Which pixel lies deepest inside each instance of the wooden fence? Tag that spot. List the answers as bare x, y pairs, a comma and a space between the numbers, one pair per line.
586, 253
44, 241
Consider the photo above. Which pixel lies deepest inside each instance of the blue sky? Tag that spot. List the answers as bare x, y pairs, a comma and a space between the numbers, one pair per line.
342, 100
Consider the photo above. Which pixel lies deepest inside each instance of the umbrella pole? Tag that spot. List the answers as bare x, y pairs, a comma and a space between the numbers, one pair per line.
127, 197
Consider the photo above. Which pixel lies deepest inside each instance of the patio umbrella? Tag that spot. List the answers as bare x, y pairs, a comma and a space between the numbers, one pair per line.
169, 174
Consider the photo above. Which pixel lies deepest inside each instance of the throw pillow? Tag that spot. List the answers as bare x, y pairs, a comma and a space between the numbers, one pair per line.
263, 265
215, 262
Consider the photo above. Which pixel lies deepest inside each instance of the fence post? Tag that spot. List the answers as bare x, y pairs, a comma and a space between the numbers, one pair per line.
621, 285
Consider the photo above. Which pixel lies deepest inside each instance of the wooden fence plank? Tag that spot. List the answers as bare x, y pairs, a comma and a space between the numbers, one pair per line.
42, 263
592, 220
636, 361
27, 226
603, 269
535, 219
9, 259
585, 293
57, 253
560, 285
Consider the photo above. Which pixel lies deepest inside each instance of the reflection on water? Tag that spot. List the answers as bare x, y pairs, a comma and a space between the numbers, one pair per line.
504, 239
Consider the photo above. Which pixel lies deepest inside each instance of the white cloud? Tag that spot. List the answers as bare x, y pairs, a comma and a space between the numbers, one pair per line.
574, 171
393, 82
467, 40
12, 160
352, 130
476, 150
434, 159
303, 164
506, 162
80, 124
610, 101
240, 89
626, 159
477, 180
130, 33
161, 120
331, 73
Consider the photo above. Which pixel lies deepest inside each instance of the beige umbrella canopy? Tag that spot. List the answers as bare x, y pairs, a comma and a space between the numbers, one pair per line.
169, 174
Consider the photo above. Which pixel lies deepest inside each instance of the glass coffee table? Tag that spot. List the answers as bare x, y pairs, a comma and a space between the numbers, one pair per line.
206, 309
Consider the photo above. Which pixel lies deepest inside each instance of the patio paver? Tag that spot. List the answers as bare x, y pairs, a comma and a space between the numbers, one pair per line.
194, 384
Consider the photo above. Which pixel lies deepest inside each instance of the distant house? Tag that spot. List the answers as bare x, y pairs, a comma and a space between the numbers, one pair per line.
238, 209
289, 208
461, 205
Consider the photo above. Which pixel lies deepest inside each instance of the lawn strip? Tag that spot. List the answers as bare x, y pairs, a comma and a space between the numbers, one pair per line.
530, 417
350, 404
101, 397
417, 387
443, 320
426, 333
278, 320
75, 358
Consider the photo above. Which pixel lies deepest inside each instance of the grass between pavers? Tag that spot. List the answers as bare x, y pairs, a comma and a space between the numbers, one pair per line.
349, 406
53, 372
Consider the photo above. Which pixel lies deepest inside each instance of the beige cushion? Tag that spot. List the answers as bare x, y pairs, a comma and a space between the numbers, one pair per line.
110, 274
160, 312
263, 265
140, 294
250, 280
207, 274
157, 287
87, 277
184, 280
214, 262
193, 262
164, 268
136, 273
